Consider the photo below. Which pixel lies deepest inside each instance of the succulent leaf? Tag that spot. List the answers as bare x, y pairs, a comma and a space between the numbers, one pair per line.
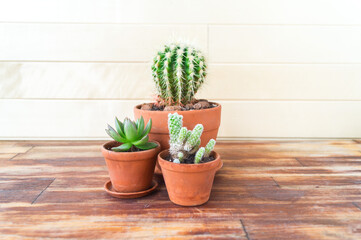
140, 127
141, 141
120, 127
122, 148
113, 134
148, 145
131, 134
130, 130
148, 127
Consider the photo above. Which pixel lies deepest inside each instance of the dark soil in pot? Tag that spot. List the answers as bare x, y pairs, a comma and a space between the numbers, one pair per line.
116, 144
190, 159
194, 105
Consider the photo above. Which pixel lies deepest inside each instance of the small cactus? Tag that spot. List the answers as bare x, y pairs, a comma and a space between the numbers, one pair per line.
182, 135
209, 147
178, 71
180, 156
184, 143
194, 137
175, 123
199, 155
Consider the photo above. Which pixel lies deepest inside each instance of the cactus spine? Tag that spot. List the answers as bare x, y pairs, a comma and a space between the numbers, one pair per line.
178, 71
184, 142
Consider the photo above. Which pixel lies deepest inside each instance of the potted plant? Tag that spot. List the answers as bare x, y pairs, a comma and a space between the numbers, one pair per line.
179, 71
187, 168
131, 157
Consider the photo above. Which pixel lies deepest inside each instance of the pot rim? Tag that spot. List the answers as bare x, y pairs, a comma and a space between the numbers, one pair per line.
129, 156
137, 108
194, 168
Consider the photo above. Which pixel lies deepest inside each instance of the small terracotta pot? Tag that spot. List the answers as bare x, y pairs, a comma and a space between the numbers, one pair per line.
130, 171
210, 118
189, 184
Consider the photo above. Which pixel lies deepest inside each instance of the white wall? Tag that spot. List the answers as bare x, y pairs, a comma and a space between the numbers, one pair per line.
280, 68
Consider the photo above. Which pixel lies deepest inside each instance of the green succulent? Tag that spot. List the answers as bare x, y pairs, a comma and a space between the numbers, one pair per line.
131, 134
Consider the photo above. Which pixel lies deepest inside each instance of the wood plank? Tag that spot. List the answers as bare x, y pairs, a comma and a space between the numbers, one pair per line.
7, 156
17, 184
252, 198
49, 80
330, 161
284, 44
274, 150
109, 42
62, 152
162, 11
327, 119
11, 148
318, 181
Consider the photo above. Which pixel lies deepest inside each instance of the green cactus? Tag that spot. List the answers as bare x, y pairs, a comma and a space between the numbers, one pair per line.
196, 147
184, 143
178, 72
199, 155
180, 156
209, 147
189, 132
194, 137
175, 123
182, 135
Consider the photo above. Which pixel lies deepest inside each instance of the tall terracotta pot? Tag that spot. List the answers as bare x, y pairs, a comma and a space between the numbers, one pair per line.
210, 118
130, 171
188, 184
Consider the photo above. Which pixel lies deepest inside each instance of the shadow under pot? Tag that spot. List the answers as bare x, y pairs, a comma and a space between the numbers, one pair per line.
130, 171
189, 184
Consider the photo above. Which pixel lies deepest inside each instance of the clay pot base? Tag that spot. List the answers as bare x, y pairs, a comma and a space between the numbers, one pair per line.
109, 189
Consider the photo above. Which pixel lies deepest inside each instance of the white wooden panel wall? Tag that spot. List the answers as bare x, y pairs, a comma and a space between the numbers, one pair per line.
281, 69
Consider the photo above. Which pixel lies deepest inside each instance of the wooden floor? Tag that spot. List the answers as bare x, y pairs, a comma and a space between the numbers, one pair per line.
266, 190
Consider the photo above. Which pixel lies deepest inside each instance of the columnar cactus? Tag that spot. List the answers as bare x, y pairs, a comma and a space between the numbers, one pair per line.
194, 137
209, 147
175, 122
199, 155
178, 71
184, 142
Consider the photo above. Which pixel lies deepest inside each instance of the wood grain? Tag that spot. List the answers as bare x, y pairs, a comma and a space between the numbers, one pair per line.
266, 190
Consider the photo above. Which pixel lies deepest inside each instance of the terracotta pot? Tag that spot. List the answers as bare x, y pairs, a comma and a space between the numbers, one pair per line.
188, 184
130, 171
210, 118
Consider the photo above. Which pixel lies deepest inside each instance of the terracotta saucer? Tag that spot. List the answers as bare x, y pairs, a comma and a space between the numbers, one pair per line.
109, 189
